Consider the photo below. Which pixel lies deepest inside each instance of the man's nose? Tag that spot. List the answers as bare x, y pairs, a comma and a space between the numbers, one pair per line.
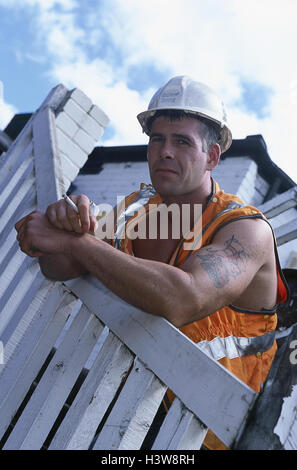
166, 150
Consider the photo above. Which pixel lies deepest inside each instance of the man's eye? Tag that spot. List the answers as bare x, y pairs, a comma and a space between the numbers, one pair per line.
155, 139
183, 142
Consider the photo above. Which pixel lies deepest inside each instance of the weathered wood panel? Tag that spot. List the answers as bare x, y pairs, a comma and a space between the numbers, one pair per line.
287, 232
144, 416
133, 412
34, 311
79, 426
59, 378
280, 203
48, 170
180, 430
182, 362
28, 348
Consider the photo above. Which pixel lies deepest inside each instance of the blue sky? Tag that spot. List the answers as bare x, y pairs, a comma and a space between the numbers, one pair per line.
120, 51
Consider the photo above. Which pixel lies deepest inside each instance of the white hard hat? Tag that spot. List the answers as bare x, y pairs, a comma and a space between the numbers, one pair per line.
183, 93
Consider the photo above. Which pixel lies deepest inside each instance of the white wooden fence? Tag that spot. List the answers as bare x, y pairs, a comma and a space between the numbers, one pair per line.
78, 362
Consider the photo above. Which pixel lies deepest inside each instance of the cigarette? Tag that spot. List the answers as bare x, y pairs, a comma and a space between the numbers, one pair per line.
70, 202
93, 208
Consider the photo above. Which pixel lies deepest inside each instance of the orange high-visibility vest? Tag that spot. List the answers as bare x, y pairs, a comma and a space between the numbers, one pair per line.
241, 340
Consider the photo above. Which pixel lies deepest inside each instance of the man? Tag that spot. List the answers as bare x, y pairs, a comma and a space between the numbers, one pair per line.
225, 286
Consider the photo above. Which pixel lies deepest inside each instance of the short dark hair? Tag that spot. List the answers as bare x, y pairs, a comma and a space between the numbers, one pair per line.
210, 130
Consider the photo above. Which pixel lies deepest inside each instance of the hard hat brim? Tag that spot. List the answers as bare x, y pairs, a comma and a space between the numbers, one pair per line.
225, 140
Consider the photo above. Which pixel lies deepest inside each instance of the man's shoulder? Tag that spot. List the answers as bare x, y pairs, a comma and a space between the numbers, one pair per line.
228, 208
253, 232
231, 200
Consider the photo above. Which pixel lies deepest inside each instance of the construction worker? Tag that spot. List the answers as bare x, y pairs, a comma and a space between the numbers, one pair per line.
222, 291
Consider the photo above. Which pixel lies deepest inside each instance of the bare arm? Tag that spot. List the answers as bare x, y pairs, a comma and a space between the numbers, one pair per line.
60, 267
213, 277
237, 268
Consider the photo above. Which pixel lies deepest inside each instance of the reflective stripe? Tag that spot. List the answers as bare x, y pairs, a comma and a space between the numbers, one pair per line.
144, 195
233, 346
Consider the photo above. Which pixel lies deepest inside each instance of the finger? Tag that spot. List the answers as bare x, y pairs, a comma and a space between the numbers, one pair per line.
93, 224
20, 234
73, 219
63, 217
51, 214
32, 251
57, 216
26, 246
21, 222
83, 205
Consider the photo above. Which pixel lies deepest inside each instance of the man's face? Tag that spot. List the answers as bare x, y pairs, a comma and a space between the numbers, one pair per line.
177, 163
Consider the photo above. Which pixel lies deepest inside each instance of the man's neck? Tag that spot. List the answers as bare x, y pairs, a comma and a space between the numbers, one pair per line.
200, 196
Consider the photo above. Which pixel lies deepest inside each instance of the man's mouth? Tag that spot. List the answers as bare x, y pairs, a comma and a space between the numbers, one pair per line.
165, 170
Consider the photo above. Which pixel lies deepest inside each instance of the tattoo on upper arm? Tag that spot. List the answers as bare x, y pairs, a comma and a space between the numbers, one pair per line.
222, 265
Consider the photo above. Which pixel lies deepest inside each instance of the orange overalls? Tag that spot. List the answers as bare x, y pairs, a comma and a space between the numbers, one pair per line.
241, 340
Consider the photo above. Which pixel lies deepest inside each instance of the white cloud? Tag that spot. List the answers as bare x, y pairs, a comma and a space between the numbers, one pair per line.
7, 111
95, 45
43, 4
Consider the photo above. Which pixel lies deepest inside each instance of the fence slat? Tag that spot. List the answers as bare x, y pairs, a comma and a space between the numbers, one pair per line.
180, 430
49, 179
24, 197
14, 307
194, 435
29, 317
94, 397
125, 408
15, 153
144, 416
15, 178
55, 385
27, 357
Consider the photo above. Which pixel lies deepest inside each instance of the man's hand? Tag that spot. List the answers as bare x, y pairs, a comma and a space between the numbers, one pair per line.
49, 237
37, 236
63, 217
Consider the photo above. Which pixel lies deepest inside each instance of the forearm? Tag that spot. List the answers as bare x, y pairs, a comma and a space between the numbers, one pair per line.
59, 267
148, 285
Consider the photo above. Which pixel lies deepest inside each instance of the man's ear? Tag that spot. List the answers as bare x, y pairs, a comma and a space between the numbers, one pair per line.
214, 154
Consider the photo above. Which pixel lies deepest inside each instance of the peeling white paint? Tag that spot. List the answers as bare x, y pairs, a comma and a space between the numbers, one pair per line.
287, 422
